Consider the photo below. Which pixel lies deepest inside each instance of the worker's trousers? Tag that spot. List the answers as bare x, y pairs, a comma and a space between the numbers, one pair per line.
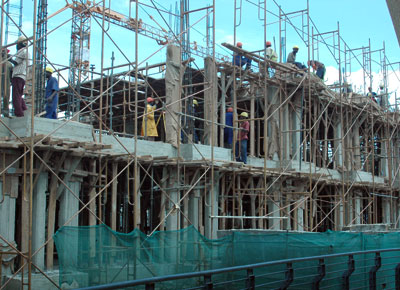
17, 92
51, 109
241, 151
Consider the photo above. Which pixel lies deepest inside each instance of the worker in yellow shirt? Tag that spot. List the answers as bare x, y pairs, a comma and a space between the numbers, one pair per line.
149, 128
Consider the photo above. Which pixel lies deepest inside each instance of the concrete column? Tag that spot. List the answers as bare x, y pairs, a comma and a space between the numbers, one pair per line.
338, 144
39, 218
211, 209
296, 135
356, 144
210, 102
7, 225
300, 215
357, 210
69, 204
384, 166
386, 211
285, 134
194, 208
173, 220
274, 208
172, 94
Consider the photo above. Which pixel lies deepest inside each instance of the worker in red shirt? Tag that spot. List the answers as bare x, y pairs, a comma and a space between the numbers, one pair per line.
243, 136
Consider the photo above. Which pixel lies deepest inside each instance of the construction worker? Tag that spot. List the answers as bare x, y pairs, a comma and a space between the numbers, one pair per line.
18, 79
372, 95
149, 128
6, 72
240, 60
319, 67
51, 94
292, 58
228, 131
270, 53
241, 144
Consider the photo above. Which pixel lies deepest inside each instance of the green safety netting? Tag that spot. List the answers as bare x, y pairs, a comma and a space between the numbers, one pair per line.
98, 255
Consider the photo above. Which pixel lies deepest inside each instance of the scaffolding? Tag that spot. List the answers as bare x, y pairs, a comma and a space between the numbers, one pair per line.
321, 157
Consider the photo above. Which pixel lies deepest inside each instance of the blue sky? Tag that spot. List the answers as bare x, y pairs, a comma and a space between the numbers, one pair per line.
359, 21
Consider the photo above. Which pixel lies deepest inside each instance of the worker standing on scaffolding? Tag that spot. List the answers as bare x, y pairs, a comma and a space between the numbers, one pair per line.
149, 128
319, 67
19, 76
292, 58
6, 72
270, 54
228, 131
239, 59
372, 95
51, 94
241, 144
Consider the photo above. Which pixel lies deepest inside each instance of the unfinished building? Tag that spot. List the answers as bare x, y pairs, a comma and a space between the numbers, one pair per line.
319, 156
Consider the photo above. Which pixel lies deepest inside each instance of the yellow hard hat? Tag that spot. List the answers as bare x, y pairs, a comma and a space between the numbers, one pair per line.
195, 102
21, 38
244, 114
295, 47
49, 69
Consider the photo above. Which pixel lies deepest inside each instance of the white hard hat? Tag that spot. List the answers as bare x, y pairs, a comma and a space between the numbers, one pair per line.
21, 38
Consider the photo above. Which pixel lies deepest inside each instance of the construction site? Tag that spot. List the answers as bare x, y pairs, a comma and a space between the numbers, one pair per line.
78, 191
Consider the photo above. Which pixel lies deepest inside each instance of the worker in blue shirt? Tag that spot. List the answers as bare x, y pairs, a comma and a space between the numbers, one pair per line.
51, 95
240, 60
228, 131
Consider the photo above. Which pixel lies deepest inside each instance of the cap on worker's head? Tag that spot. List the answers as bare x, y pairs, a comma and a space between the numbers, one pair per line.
195, 102
230, 110
296, 47
369, 89
21, 38
150, 99
49, 69
268, 43
244, 114
239, 44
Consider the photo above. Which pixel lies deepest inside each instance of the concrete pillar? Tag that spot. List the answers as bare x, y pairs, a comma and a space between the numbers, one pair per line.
173, 220
69, 204
172, 94
7, 226
356, 145
384, 165
211, 209
386, 211
338, 144
296, 135
357, 210
300, 215
39, 218
194, 208
210, 102
285, 133
274, 208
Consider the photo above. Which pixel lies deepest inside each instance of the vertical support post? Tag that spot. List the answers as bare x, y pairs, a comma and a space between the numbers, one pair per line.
114, 197
39, 214
373, 270
210, 101
346, 275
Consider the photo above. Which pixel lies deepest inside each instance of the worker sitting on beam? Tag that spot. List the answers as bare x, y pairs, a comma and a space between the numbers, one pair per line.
240, 59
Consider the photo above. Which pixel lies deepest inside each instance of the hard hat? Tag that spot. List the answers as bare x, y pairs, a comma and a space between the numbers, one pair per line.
268, 43
21, 38
244, 114
239, 44
230, 109
195, 102
49, 69
150, 99
295, 47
